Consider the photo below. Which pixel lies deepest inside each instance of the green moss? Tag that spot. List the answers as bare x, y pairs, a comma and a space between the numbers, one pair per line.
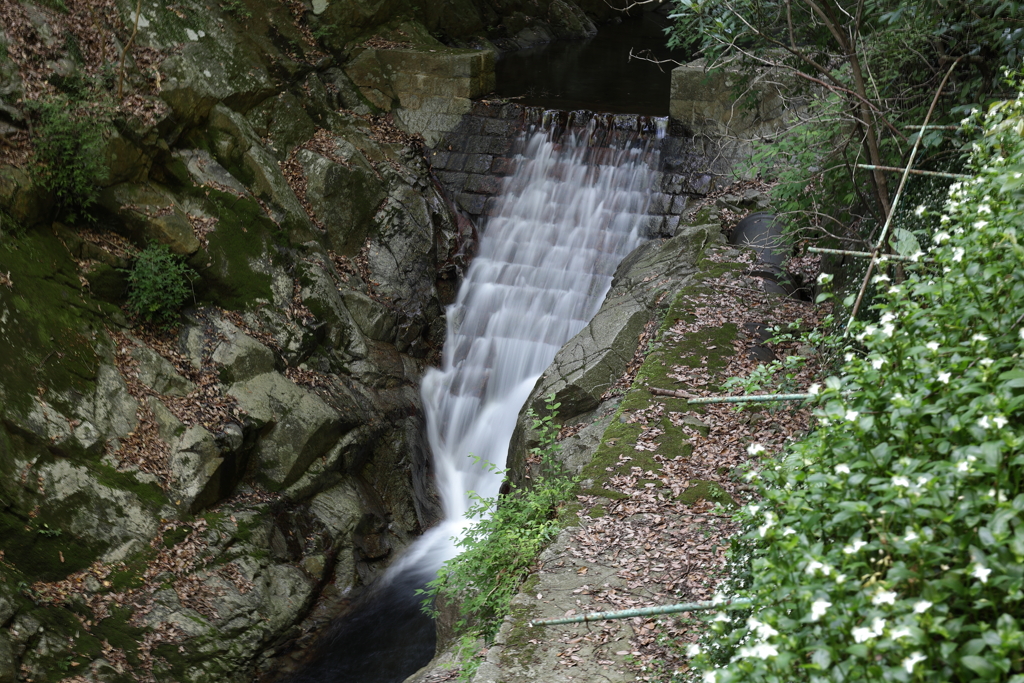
116, 630
243, 235
597, 512
47, 325
36, 546
130, 575
707, 490
147, 492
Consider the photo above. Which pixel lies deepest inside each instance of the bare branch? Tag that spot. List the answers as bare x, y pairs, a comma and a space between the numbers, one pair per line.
648, 56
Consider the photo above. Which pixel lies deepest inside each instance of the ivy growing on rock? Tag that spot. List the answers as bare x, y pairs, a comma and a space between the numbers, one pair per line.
889, 544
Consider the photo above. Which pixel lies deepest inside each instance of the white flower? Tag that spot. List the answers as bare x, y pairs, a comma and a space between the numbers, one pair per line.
941, 237
1020, 333
851, 415
979, 338
814, 389
842, 468
981, 572
900, 481
884, 597
854, 547
895, 289
788, 531
986, 362
913, 659
911, 537
983, 422
984, 208
958, 254
916, 256
944, 377
962, 466
769, 522
818, 609
888, 329
814, 566
860, 634
919, 211
877, 363
881, 277
761, 651
754, 449
980, 224
921, 606
933, 345
886, 318
693, 650
999, 421
901, 632
710, 677
824, 278
764, 631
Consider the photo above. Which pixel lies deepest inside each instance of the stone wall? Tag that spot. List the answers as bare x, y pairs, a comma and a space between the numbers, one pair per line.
726, 112
472, 160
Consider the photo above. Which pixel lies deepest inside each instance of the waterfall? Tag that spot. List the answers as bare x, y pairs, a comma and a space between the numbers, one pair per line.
568, 215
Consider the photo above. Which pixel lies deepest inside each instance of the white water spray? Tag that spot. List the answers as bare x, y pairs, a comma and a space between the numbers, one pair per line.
568, 216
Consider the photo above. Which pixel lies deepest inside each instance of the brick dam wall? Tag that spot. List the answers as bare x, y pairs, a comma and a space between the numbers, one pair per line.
472, 160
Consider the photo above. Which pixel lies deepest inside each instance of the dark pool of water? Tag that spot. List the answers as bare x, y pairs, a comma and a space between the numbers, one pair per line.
597, 73
385, 638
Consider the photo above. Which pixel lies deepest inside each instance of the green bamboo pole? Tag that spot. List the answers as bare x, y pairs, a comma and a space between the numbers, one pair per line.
938, 174
646, 612
731, 399
913, 127
864, 254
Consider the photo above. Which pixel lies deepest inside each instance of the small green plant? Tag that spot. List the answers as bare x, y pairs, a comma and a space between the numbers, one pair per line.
159, 284
48, 532
67, 143
499, 548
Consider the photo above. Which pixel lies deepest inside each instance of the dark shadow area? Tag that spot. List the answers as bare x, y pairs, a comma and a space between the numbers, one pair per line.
384, 638
597, 73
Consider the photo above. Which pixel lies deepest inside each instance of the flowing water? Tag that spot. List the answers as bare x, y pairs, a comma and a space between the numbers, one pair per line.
569, 214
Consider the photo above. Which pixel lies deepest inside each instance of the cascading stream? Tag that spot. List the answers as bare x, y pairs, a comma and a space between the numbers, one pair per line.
571, 211
568, 215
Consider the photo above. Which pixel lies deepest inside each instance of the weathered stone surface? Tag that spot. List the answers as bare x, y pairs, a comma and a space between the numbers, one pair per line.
301, 426
241, 356
284, 120
239, 149
151, 214
205, 170
209, 71
344, 197
113, 519
8, 672
157, 373
199, 473
339, 508
123, 161
373, 318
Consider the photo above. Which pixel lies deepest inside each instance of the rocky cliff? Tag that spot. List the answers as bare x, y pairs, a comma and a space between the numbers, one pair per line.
175, 501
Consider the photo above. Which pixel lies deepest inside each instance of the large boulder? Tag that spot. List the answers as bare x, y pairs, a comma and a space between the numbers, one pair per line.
300, 426
151, 213
344, 195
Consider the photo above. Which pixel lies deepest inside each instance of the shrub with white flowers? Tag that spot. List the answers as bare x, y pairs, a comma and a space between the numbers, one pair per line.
890, 545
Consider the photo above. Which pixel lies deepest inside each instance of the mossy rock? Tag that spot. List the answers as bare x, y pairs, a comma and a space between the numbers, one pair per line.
710, 491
